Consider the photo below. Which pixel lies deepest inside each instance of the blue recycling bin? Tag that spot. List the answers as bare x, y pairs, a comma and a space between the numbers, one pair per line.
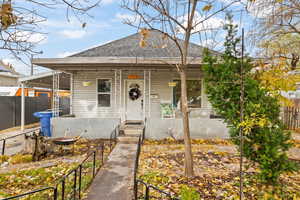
45, 118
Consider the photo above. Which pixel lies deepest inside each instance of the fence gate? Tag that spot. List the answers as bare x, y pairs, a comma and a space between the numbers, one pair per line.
291, 117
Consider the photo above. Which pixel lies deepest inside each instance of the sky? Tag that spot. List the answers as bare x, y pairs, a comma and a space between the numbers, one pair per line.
65, 36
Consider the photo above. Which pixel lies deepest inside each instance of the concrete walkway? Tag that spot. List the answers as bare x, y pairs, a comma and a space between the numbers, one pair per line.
115, 179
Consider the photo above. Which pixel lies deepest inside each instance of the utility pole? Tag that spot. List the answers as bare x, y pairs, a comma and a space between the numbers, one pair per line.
241, 134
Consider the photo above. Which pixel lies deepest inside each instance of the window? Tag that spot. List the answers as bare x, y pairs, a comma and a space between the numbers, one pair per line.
104, 92
193, 93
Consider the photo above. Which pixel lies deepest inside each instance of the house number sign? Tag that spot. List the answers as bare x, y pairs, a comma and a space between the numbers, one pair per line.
134, 77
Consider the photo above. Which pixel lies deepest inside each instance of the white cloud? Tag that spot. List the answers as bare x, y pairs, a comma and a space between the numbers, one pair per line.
27, 36
73, 23
203, 24
126, 17
105, 2
73, 34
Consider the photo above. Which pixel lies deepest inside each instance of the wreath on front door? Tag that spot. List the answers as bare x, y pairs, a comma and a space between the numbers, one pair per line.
134, 92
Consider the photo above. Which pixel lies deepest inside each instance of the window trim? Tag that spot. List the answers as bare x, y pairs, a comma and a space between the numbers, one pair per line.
190, 79
110, 93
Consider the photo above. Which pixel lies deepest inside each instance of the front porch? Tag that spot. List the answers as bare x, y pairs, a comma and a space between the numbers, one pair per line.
100, 100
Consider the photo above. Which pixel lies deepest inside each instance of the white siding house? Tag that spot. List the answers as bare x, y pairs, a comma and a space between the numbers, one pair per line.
121, 81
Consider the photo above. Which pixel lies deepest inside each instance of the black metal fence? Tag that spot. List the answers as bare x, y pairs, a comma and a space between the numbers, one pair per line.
71, 185
144, 190
113, 137
148, 191
25, 133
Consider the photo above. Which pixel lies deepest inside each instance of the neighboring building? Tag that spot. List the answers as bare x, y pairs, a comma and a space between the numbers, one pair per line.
120, 81
9, 78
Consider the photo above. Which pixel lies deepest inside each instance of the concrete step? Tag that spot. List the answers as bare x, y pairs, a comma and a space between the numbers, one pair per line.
133, 131
128, 139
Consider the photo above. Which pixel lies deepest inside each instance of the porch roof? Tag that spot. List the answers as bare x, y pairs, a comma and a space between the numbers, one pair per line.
86, 63
45, 80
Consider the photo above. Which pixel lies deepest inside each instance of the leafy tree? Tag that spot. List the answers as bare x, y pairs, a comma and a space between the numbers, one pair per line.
265, 141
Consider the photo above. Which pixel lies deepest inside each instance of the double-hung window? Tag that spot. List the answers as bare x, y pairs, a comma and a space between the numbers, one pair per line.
104, 92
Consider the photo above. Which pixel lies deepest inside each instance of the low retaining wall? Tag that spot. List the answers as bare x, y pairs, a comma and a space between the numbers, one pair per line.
199, 128
156, 128
90, 127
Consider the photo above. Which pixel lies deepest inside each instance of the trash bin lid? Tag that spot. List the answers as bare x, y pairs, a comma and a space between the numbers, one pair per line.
42, 114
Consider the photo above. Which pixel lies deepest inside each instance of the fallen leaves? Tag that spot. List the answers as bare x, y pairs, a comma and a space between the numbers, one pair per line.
216, 165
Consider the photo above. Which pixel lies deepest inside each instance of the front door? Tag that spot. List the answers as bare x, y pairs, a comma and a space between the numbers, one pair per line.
134, 99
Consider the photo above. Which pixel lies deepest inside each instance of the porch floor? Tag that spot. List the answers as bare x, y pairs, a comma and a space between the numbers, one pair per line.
115, 179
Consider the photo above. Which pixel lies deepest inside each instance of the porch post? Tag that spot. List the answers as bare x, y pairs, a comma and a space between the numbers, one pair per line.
120, 103
71, 95
22, 107
149, 111
144, 99
55, 94
115, 89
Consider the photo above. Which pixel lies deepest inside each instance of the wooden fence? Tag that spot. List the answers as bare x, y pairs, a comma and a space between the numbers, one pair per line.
291, 117
10, 109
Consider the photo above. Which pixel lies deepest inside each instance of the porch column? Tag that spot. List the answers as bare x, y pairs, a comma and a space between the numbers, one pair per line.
144, 99
22, 107
115, 89
149, 110
55, 94
71, 95
120, 96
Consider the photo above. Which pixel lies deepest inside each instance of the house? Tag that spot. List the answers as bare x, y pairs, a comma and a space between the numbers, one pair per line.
8, 77
123, 82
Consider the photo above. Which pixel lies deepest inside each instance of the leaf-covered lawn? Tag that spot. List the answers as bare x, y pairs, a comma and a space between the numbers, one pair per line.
216, 165
22, 175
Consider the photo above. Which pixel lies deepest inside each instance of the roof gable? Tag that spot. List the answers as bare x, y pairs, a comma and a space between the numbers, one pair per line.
157, 46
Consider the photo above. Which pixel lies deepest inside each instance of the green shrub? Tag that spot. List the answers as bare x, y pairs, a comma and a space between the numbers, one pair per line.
188, 193
266, 142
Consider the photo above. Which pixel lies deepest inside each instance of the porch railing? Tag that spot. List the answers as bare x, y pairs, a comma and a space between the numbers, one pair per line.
25, 133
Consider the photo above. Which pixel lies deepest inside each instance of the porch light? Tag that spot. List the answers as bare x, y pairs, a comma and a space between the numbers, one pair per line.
172, 84
86, 83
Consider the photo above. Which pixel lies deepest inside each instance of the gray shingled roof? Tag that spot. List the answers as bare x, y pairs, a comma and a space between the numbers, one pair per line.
129, 47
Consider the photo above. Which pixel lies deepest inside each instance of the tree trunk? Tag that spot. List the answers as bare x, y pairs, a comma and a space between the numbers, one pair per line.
188, 161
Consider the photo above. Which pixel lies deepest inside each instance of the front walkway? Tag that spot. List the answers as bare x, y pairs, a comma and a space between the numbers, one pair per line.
115, 179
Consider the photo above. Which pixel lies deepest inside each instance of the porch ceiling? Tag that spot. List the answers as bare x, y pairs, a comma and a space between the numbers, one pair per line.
86, 63
45, 80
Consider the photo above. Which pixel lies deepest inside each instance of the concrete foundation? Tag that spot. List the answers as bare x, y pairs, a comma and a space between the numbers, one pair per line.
86, 127
157, 128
